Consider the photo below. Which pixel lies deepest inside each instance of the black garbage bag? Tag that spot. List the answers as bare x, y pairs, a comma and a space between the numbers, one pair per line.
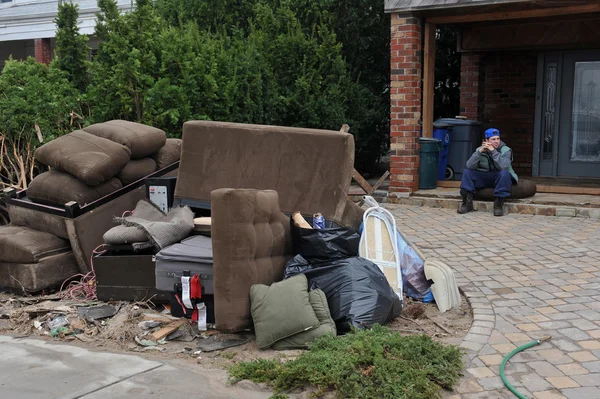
324, 245
357, 291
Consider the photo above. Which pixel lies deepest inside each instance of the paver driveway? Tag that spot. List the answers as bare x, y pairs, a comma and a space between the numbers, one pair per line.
526, 277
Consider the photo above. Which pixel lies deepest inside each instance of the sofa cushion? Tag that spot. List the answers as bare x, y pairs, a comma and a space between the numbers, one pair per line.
57, 188
251, 244
90, 158
318, 301
523, 189
38, 220
49, 272
136, 169
142, 140
310, 169
21, 244
281, 310
168, 154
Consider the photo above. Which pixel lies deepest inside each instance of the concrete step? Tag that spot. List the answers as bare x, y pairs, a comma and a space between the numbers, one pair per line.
509, 207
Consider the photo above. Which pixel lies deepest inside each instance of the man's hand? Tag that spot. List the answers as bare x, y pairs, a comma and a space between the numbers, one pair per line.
485, 146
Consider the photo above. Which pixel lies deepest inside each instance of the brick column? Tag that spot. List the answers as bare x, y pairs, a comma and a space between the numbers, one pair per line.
43, 51
472, 86
405, 99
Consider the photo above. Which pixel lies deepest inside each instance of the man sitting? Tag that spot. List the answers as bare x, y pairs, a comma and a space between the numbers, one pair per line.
490, 166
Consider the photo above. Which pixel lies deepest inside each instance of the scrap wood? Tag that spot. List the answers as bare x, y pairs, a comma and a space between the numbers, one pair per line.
151, 316
168, 329
357, 176
440, 325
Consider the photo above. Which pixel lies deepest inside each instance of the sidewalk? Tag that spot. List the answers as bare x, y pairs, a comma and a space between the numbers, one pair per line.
38, 369
526, 277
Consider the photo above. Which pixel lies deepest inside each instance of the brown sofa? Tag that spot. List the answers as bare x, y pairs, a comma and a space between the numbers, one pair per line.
310, 169
55, 243
252, 177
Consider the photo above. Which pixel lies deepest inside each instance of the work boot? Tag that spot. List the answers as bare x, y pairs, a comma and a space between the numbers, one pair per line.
467, 202
498, 206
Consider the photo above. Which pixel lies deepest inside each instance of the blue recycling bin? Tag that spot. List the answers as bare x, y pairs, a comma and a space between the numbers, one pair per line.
441, 131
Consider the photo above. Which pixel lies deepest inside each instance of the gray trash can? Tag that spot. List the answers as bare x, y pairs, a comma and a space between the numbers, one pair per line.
466, 137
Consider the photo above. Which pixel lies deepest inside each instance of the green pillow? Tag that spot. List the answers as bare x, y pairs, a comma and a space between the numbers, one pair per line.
281, 310
318, 301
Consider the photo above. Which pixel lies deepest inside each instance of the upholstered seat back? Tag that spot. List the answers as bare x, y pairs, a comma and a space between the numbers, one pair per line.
310, 169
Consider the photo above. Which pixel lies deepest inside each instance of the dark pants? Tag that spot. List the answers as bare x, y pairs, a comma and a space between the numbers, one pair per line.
499, 181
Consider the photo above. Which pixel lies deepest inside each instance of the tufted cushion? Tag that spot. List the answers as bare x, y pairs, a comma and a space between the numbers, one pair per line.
273, 305
48, 272
318, 301
38, 220
168, 154
89, 158
251, 245
142, 140
136, 169
57, 188
24, 245
523, 189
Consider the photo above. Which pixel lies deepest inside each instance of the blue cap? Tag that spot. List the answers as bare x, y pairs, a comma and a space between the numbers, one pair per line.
491, 132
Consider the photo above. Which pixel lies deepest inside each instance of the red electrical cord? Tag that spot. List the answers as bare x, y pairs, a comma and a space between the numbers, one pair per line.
85, 288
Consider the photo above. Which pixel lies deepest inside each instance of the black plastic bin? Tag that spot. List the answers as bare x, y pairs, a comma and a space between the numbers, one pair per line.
466, 137
428, 165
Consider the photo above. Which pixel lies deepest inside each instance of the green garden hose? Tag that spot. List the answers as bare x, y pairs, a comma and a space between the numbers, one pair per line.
511, 354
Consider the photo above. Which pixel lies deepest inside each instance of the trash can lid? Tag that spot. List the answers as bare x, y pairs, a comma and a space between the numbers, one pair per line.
457, 122
428, 140
441, 125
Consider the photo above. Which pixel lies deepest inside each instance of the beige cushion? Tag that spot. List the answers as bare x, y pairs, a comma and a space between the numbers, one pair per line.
48, 272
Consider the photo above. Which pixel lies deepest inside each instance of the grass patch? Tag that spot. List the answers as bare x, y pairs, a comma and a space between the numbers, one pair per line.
376, 363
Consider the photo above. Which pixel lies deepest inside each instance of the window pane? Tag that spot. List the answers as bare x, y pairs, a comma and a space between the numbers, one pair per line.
586, 113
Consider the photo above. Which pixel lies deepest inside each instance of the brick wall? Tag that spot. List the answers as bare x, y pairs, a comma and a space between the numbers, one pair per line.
43, 50
510, 80
405, 99
472, 86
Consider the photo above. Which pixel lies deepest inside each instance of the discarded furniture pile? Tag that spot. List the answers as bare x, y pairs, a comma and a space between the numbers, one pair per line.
96, 174
255, 231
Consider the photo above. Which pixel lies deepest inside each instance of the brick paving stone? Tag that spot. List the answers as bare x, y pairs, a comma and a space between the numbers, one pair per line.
575, 333
565, 345
553, 394
591, 345
504, 349
583, 356
545, 369
555, 356
587, 380
481, 372
544, 280
562, 382
534, 382
491, 360
528, 327
571, 369
581, 393
594, 367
